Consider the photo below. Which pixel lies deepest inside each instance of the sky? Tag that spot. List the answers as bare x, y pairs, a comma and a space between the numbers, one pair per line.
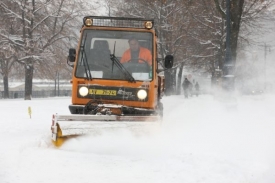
202, 139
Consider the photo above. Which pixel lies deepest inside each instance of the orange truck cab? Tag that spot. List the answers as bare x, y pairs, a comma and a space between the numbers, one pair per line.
102, 84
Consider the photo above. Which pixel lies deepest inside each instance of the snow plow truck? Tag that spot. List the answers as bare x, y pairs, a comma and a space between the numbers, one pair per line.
106, 90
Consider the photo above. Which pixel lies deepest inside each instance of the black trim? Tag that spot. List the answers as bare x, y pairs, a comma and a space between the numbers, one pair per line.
117, 93
117, 18
122, 22
126, 111
76, 109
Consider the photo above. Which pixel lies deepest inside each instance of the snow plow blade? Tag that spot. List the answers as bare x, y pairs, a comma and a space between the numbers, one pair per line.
64, 126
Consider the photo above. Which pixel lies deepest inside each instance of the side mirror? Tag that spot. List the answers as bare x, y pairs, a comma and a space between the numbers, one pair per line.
72, 54
168, 61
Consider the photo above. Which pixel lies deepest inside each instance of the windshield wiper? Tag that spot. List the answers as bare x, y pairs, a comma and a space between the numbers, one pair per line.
84, 60
127, 75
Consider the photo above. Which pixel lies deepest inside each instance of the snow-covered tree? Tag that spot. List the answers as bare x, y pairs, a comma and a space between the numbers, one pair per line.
171, 23
42, 32
10, 41
194, 31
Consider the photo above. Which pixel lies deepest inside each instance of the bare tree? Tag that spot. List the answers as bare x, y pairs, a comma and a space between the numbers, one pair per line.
45, 25
243, 13
194, 31
171, 23
9, 43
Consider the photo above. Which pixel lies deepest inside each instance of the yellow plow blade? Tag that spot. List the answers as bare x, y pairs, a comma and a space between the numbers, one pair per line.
64, 126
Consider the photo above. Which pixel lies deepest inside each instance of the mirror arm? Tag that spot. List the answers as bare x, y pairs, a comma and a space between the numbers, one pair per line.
68, 63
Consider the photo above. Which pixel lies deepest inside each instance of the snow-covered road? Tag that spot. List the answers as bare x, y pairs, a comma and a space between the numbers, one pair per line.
200, 141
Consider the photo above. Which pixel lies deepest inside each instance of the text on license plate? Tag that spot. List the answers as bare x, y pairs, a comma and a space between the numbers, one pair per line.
102, 92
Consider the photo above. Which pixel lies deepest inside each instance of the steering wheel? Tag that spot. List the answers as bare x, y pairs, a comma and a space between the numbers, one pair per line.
138, 59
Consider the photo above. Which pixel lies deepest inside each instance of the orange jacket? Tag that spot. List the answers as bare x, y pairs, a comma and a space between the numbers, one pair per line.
144, 53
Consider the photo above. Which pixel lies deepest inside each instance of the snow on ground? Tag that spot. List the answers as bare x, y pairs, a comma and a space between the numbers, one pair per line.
201, 140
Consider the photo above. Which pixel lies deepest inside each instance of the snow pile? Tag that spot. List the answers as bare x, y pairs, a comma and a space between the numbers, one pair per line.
200, 140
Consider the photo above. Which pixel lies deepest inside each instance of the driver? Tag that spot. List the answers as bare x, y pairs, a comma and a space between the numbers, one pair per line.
135, 52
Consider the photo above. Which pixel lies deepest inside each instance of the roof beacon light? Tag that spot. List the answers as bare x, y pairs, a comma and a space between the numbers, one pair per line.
89, 22
148, 24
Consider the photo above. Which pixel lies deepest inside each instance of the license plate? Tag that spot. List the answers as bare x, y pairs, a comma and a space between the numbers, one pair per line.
102, 92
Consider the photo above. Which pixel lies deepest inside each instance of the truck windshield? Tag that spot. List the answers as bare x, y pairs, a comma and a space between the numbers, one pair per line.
132, 49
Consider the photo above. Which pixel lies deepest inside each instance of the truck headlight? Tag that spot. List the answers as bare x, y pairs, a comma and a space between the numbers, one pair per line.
141, 94
83, 91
